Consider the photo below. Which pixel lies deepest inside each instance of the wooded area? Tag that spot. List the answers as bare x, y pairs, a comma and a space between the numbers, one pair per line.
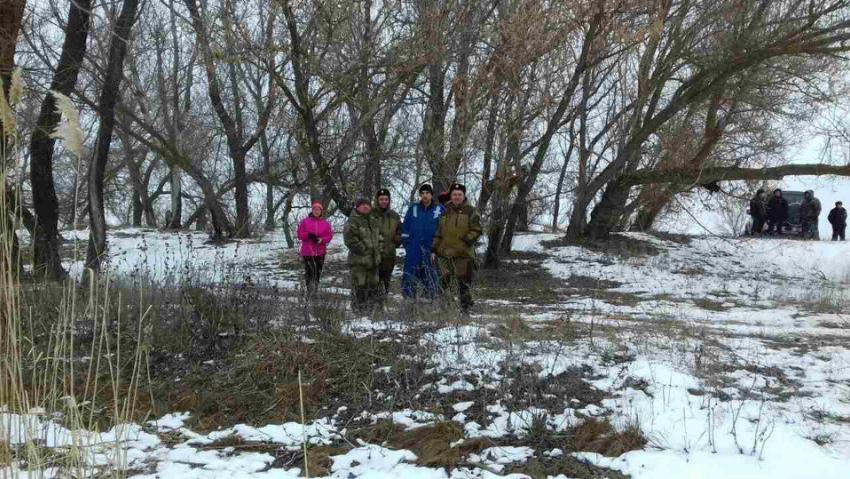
232, 114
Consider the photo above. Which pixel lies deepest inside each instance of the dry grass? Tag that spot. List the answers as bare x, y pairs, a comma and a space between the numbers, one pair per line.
436, 446
710, 305
600, 436
544, 467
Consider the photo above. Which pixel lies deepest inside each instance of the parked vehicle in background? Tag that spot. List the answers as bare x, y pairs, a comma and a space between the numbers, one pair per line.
791, 226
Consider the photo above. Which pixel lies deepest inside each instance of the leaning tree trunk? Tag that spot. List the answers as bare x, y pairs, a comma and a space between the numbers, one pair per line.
46, 258
108, 99
607, 215
559, 189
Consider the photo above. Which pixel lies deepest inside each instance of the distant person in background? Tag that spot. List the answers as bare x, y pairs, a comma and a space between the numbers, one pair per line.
419, 227
389, 224
365, 247
758, 211
809, 213
454, 246
315, 233
838, 219
777, 212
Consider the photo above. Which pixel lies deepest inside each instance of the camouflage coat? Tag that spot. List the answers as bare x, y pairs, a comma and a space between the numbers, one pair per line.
363, 239
457, 232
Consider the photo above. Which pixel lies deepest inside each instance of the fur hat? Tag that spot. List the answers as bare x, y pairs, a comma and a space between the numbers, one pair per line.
362, 201
457, 186
383, 192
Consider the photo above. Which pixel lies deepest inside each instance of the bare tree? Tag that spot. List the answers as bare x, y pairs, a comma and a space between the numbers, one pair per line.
46, 240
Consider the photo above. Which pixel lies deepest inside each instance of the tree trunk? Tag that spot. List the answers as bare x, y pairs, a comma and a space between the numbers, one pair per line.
374, 154
607, 215
46, 258
137, 210
176, 199
559, 189
106, 109
287, 229
492, 126
265, 149
243, 215
434, 135
11, 15
201, 223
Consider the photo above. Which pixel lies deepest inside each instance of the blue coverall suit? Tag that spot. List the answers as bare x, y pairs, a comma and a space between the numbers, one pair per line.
418, 230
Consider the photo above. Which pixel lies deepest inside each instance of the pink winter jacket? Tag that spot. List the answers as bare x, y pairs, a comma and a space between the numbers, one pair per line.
321, 228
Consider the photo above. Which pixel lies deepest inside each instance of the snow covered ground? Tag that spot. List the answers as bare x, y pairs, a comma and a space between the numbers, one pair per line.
731, 356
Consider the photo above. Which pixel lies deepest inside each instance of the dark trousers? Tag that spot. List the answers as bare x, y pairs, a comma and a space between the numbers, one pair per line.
385, 273
366, 289
313, 266
838, 232
810, 228
774, 226
457, 275
758, 225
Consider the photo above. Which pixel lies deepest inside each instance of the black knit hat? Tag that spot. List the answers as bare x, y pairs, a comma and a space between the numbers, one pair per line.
444, 197
383, 192
362, 201
426, 187
457, 186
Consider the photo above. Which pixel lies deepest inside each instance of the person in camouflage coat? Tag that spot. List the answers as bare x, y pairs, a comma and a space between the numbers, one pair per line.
363, 239
389, 224
809, 213
454, 246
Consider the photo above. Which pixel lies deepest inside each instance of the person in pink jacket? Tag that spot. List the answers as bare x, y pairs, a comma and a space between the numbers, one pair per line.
315, 233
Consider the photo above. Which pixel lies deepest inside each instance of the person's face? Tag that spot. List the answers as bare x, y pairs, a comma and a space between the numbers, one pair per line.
761, 195
384, 202
457, 197
777, 194
364, 208
317, 211
425, 197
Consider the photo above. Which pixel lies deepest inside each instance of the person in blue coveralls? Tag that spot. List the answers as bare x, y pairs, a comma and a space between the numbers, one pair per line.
418, 230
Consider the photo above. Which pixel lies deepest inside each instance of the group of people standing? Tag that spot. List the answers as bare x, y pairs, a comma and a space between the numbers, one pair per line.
775, 213
438, 236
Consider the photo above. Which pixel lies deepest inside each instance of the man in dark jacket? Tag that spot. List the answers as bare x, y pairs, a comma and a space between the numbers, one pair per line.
454, 245
365, 250
419, 228
809, 213
758, 211
838, 219
389, 224
777, 212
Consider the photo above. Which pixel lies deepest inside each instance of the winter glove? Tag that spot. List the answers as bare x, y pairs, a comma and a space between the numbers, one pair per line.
313, 236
